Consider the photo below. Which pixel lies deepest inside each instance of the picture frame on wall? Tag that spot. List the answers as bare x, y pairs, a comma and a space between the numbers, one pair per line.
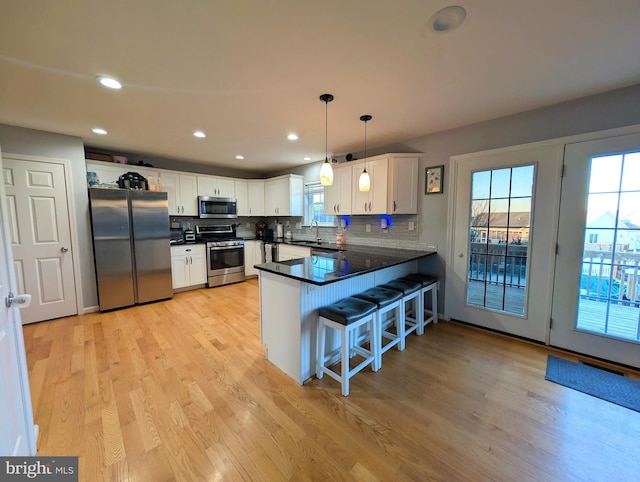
433, 180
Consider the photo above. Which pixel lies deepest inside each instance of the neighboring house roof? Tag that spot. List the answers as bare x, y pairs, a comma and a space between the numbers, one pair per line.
499, 219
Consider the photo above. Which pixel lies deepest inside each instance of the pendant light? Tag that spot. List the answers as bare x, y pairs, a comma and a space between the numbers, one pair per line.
364, 183
326, 171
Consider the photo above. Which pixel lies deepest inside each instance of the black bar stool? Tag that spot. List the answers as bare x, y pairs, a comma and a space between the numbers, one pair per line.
411, 318
429, 285
346, 316
386, 300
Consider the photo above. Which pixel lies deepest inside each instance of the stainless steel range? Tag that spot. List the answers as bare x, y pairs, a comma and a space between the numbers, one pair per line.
225, 254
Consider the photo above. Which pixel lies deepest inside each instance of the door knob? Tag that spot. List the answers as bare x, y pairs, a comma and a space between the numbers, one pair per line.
64, 249
22, 301
460, 255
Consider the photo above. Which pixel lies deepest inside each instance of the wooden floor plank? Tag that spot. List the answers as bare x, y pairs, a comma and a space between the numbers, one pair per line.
180, 390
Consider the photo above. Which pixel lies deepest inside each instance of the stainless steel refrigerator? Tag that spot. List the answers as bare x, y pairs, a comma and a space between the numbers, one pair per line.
131, 246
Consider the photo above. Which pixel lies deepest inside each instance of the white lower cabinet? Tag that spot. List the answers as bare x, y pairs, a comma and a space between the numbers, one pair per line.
252, 256
188, 265
287, 252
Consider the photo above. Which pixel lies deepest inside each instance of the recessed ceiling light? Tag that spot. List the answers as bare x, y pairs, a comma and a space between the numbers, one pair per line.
447, 19
199, 134
97, 130
239, 157
306, 159
110, 82
292, 137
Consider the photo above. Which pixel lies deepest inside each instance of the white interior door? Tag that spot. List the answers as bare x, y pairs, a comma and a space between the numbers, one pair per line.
38, 218
596, 306
17, 430
503, 240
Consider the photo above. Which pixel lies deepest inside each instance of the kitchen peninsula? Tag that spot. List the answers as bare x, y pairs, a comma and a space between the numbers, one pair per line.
292, 291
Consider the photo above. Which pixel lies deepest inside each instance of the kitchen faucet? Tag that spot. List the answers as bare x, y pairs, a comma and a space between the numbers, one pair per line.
317, 230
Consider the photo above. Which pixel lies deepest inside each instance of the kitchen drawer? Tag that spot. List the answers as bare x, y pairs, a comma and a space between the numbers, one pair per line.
185, 249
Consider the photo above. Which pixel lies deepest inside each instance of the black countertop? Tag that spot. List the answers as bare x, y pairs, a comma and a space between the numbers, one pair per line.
331, 267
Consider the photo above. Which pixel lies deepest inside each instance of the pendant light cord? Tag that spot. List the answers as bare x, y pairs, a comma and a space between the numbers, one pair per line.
365, 119
365, 145
326, 130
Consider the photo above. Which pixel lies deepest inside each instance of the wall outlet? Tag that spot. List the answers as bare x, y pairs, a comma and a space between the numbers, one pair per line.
367, 228
412, 226
298, 225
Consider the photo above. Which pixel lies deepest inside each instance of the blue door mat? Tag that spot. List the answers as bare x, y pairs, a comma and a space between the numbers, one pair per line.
600, 383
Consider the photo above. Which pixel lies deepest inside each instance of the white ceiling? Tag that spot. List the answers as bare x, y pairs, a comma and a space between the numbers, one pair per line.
249, 72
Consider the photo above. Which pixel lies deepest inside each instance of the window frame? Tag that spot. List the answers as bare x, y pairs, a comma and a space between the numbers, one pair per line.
310, 188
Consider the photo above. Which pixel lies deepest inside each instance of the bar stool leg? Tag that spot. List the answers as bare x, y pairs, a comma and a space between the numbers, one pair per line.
321, 344
344, 363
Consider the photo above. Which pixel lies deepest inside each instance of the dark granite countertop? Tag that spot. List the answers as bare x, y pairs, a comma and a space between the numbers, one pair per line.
330, 267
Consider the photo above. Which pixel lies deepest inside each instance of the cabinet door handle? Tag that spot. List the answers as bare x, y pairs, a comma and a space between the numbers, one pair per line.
365, 207
394, 206
369, 206
186, 260
338, 208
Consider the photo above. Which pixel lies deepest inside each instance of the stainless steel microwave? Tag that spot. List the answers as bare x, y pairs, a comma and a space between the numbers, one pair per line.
217, 207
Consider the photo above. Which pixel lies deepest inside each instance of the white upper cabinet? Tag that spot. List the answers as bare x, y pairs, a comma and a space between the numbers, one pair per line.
242, 197
181, 192
110, 172
394, 185
216, 186
373, 201
403, 184
337, 197
283, 196
147, 172
107, 172
256, 197
250, 196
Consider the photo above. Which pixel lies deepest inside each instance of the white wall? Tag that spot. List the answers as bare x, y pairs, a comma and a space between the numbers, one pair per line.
17, 140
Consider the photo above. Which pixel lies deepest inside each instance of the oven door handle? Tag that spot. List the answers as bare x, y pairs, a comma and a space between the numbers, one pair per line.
224, 248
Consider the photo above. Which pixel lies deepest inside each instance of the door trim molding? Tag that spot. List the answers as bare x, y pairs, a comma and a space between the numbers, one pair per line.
73, 221
456, 160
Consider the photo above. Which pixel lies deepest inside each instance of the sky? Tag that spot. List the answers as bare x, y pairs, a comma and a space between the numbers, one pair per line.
608, 175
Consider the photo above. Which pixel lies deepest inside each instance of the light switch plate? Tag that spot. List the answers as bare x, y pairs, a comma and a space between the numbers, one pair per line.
412, 226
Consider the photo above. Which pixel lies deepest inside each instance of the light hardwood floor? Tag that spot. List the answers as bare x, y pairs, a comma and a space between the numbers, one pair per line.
180, 390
